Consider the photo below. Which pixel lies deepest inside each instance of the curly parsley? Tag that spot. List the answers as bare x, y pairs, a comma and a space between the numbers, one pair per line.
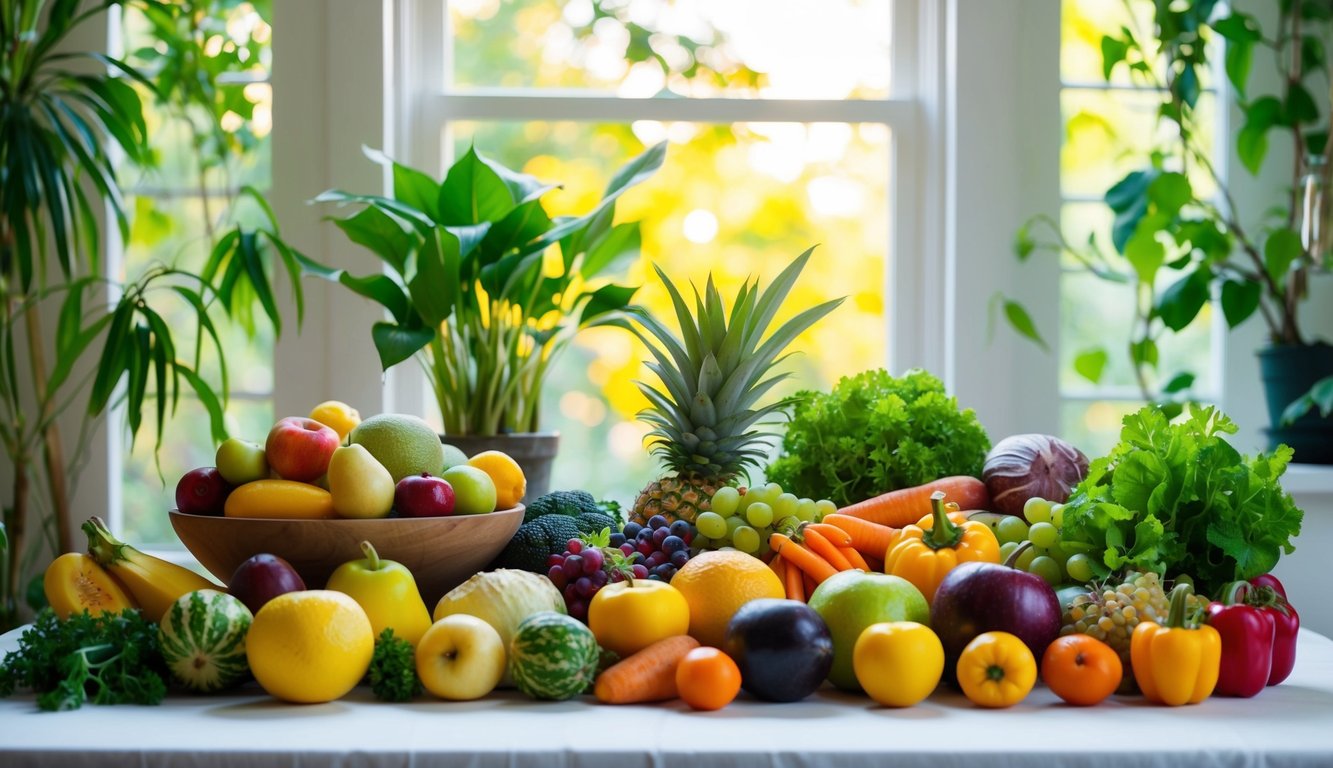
393, 669
111, 658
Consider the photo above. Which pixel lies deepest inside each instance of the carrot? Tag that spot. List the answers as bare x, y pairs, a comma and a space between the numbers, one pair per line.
649, 675
777, 566
808, 583
835, 535
854, 558
870, 539
796, 555
908, 505
825, 549
794, 583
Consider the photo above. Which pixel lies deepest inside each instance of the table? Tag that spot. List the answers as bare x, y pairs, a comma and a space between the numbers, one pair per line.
1290, 725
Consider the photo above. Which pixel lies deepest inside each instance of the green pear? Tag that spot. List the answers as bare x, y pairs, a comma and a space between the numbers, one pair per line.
360, 485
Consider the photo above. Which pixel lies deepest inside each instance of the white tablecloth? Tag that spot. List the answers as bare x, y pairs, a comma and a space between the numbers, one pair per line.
1289, 725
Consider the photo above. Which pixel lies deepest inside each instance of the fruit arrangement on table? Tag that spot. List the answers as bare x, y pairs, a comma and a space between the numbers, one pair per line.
934, 557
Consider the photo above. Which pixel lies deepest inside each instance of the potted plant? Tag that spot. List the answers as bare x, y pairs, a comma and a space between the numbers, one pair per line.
1183, 249
484, 290
71, 338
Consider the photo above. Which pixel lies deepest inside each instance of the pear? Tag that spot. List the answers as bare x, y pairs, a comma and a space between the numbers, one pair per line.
360, 485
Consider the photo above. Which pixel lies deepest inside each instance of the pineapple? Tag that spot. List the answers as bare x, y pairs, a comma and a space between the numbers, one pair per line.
706, 419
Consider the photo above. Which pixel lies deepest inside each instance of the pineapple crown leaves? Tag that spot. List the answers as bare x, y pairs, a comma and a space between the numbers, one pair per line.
712, 374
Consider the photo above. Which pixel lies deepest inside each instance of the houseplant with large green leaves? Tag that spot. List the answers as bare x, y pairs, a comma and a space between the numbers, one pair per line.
484, 289
1180, 248
72, 340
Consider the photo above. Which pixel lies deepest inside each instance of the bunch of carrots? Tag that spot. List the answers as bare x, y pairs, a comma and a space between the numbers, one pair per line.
858, 536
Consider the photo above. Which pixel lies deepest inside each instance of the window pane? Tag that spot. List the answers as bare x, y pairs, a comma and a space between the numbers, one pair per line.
735, 201
1094, 426
146, 496
758, 48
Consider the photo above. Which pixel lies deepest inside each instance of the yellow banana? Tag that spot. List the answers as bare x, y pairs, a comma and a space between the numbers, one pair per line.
154, 582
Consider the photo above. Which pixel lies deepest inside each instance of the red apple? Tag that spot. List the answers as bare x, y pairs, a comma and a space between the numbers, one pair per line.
423, 495
299, 449
202, 491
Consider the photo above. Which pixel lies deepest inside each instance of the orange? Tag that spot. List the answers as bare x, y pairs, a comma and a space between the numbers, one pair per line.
510, 484
707, 679
717, 584
337, 416
1081, 669
310, 647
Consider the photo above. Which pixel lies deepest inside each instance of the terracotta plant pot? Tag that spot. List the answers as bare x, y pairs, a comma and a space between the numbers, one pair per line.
534, 452
1288, 373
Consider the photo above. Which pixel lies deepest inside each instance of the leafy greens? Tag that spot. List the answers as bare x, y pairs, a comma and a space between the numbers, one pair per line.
111, 658
874, 433
1180, 498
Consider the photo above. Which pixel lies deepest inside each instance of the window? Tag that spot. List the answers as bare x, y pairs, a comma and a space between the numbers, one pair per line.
1108, 129
786, 126
204, 159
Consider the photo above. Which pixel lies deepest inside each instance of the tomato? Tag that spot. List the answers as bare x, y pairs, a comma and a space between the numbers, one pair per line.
898, 663
627, 617
1081, 669
707, 679
996, 670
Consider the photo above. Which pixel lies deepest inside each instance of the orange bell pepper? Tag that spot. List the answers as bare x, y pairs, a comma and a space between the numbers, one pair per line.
1176, 663
925, 552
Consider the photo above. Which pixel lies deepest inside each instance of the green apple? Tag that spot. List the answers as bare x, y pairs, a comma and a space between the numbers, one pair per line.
850, 601
474, 491
453, 456
241, 461
361, 487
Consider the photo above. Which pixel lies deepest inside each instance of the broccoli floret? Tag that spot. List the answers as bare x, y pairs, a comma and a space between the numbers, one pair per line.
533, 542
569, 503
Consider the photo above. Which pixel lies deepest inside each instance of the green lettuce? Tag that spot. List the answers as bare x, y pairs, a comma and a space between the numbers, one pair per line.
1179, 499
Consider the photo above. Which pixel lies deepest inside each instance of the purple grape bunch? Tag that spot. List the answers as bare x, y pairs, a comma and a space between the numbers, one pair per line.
654, 551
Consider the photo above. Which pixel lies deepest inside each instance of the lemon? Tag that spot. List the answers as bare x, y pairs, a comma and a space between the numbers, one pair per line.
404, 444
310, 647
336, 415
716, 585
510, 484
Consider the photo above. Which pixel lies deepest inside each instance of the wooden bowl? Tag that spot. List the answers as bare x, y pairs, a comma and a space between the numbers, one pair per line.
441, 552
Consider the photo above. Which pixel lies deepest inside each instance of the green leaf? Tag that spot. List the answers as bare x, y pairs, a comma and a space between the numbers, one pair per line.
216, 422
434, 288
620, 244
520, 227
1239, 301
1252, 139
1239, 58
1021, 321
1281, 249
1238, 27
1129, 199
1113, 52
1143, 352
472, 193
1179, 383
382, 289
1320, 396
1180, 303
396, 343
1145, 253
1170, 192
608, 298
1300, 106
372, 228
1024, 245
1091, 363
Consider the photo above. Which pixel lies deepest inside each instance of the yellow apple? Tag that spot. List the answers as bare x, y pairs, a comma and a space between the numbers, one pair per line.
460, 658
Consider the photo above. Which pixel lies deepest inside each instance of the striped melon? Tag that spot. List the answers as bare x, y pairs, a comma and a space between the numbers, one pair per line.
203, 640
552, 656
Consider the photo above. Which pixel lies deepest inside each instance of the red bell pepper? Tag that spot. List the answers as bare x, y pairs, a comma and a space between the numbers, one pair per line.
1271, 597
1247, 642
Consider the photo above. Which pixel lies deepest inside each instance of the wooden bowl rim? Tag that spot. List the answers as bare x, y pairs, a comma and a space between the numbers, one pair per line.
356, 520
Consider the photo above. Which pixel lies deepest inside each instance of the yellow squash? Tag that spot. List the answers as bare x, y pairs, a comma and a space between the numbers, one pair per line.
154, 582
284, 499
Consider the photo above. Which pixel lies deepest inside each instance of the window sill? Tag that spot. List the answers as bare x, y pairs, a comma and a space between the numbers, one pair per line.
1304, 480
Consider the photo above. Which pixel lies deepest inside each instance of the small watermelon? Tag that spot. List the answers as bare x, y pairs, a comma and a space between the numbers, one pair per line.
203, 640
553, 656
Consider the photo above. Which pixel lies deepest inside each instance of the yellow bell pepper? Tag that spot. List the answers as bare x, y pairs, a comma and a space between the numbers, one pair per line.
1177, 663
996, 670
925, 552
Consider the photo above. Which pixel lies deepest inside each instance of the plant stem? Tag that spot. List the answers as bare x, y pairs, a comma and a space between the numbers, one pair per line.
53, 453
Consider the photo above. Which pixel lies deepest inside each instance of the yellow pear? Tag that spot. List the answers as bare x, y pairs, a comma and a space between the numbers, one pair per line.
360, 485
